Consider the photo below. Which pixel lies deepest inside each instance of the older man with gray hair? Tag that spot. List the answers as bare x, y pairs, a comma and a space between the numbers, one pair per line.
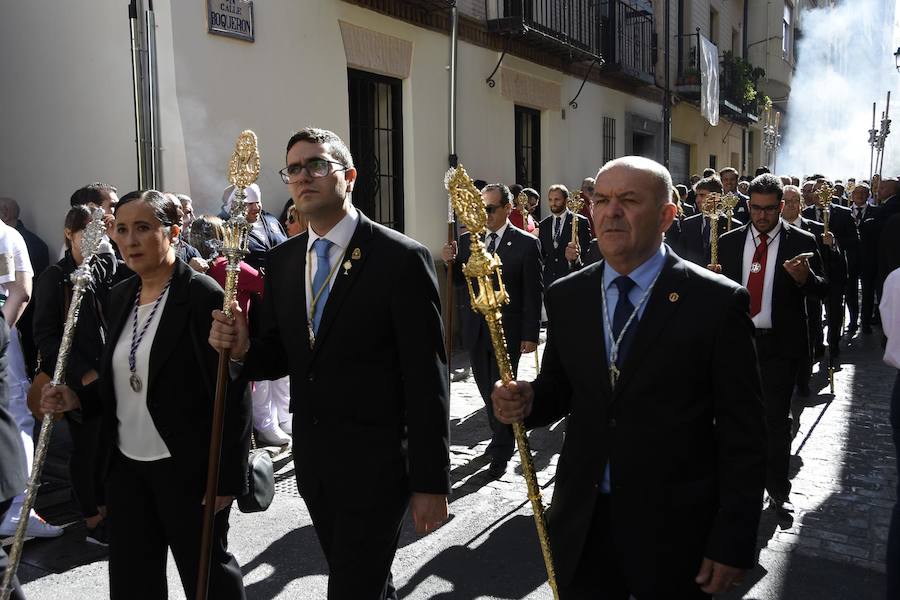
659, 485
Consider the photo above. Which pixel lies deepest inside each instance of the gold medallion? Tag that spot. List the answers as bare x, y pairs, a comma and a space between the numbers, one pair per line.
356, 255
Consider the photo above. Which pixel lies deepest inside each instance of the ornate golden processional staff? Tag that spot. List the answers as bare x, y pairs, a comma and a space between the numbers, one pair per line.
81, 279
484, 270
823, 199
243, 169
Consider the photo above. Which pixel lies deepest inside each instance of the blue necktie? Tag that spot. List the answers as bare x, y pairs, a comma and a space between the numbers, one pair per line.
320, 279
623, 311
492, 247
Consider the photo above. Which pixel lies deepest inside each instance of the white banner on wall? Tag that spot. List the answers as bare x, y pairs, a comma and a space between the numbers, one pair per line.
709, 81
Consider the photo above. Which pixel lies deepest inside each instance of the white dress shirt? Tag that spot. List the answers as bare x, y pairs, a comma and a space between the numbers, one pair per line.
339, 236
889, 307
499, 232
138, 437
763, 319
561, 218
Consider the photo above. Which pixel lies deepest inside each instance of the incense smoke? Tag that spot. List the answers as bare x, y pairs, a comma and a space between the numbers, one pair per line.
845, 63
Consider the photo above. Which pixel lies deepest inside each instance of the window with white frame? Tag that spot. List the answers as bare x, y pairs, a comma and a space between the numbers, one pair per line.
787, 32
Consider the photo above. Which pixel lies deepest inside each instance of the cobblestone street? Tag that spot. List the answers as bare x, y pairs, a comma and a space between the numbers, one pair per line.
844, 485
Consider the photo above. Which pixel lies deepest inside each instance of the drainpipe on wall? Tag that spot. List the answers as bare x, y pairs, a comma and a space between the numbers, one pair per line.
667, 95
142, 23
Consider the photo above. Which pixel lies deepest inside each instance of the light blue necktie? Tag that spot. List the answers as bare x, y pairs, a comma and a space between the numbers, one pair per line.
320, 279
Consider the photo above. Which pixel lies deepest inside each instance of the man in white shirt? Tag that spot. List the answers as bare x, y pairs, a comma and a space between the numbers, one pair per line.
15, 287
780, 266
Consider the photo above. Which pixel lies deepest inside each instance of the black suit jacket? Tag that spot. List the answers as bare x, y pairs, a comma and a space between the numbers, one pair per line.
182, 382
555, 263
888, 229
686, 447
690, 241
12, 479
868, 242
370, 401
258, 245
789, 318
520, 253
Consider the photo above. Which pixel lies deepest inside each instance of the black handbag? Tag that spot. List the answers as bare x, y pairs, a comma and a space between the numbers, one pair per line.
260, 481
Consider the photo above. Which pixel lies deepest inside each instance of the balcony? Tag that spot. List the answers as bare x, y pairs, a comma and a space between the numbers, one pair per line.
739, 98
567, 28
738, 88
629, 39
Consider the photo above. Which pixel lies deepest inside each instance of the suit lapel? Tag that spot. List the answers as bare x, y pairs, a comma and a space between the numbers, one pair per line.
172, 322
593, 325
345, 278
659, 312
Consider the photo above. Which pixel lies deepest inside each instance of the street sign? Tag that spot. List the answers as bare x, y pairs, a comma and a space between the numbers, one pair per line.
232, 18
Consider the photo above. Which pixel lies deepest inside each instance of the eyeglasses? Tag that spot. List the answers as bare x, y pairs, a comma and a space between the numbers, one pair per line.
315, 168
769, 210
491, 208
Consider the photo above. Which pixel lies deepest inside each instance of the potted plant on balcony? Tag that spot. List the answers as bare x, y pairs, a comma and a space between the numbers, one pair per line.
739, 83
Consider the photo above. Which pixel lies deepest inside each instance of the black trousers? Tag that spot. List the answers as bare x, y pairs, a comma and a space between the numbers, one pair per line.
148, 512
779, 372
834, 316
17, 593
867, 309
852, 292
359, 541
87, 462
484, 368
600, 574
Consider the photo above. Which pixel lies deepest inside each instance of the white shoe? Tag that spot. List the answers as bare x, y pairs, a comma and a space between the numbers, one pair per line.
272, 437
287, 427
37, 527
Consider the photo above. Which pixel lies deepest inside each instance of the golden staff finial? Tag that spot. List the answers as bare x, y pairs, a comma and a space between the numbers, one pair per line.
712, 208
729, 203
485, 270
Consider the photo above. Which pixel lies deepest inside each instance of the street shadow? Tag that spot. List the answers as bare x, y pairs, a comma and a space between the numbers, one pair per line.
507, 564
297, 554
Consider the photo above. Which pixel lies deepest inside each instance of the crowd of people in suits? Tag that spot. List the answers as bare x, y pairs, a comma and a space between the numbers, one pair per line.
661, 478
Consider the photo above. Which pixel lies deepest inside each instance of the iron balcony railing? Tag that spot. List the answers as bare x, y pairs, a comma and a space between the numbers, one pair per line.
567, 27
629, 38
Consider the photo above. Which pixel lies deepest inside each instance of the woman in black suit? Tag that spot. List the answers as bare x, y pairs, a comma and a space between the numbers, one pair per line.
157, 386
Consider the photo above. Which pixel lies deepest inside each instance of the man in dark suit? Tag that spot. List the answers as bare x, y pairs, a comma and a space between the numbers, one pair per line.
729, 176
829, 254
556, 236
520, 254
841, 223
887, 228
365, 355
865, 219
12, 478
766, 256
660, 481
692, 242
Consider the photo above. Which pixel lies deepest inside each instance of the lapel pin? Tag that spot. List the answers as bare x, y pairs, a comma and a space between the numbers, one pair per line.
355, 256
347, 265
673, 297
509, 243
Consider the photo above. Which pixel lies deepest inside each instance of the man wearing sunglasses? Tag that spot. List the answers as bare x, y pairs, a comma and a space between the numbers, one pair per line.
780, 266
351, 311
521, 257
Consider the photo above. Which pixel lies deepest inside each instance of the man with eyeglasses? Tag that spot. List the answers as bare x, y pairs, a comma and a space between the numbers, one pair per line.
521, 256
351, 311
779, 265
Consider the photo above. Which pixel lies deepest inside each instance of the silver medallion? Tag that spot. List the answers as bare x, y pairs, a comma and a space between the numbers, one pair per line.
135, 382
755, 267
